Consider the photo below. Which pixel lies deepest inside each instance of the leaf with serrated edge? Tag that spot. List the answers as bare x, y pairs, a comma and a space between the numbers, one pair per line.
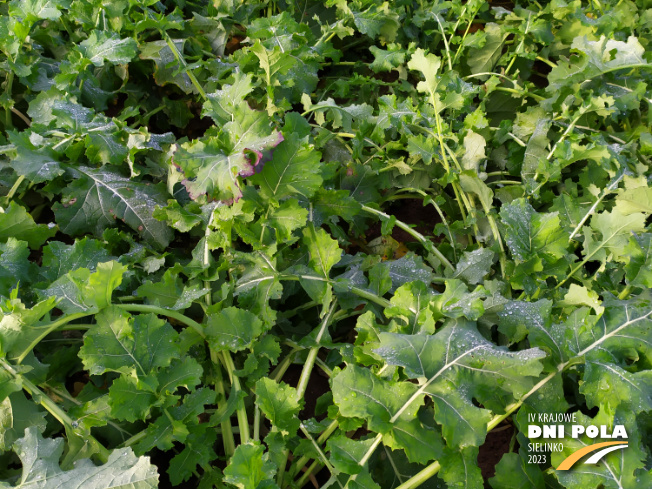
233, 329
459, 355
97, 198
134, 346
40, 460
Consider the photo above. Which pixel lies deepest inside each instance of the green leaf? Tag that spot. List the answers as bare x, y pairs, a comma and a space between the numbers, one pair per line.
274, 62
359, 393
338, 116
31, 10
580, 296
390, 408
636, 197
250, 468
474, 147
177, 423
40, 460
97, 198
520, 318
294, 170
639, 268
387, 59
107, 146
37, 164
456, 365
16, 223
472, 184
197, 452
286, 218
170, 292
460, 469
184, 372
324, 251
20, 326
483, 59
213, 163
614, 230
134, 346
60, 258
83, 291
530, 234
377, 20
166, 64
474, 265
457, 301
411, 303
408, 269
279, 403
233, 329
222, 105
258, 283
17, 413
101, 47
15, 267
92, 413
424, 147
513, 473
428, 65
346, 454
536, 154
327, 203
178, 217
608, 54
131, 399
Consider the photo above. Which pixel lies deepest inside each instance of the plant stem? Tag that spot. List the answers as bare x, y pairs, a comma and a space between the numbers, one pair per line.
357, 291
241, 412
46, 331
312, 354
227, 430
448, 51
296, 310
421, 477
427, 200
625, 293
69, 398
546, 61
164, 312
53, 408
180, 59
523, 93
296, 467
365, 294
134, 439
278, 373
420, 237
8, 87
314, 467
14, 188
321, 454
22, 116
256, 435
606, 192
504, 182
306, 371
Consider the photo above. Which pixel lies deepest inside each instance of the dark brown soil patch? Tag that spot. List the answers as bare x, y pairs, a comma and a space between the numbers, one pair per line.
317, 386
409, 211
493, 449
